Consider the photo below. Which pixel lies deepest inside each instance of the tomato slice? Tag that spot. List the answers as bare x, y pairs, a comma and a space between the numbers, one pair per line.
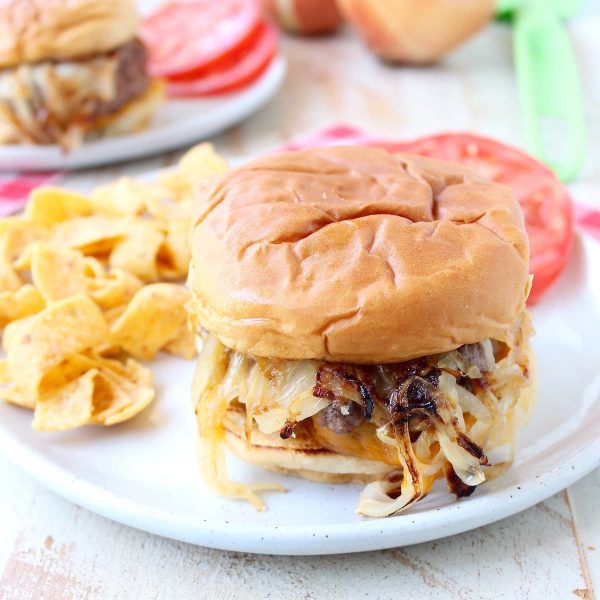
238, 70
546, 204
188, 37
227, 59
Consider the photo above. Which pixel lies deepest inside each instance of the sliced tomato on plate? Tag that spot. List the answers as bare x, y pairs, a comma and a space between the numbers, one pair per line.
238, 70
546, 203
186, 38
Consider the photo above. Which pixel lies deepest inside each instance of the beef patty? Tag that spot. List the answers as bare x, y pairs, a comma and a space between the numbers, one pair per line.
131, 78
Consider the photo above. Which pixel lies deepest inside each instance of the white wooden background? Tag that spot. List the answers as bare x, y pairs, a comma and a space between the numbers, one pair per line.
51, 549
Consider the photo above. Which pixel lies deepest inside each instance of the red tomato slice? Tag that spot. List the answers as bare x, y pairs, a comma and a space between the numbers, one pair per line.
192, 36
239, 70
227, 59
546, 203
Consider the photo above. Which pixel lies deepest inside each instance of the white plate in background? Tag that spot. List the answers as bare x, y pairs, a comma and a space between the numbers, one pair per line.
178, 123
143, 473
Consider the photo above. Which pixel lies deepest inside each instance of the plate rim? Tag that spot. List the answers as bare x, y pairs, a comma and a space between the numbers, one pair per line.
338, 538
170, 136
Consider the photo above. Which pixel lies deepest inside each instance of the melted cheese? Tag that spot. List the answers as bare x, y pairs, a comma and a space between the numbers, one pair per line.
46, 102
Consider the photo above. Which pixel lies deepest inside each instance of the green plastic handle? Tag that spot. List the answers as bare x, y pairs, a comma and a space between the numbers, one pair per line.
549, 87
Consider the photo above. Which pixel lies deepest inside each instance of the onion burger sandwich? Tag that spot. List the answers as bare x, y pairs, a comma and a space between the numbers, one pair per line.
71, 69
363, 320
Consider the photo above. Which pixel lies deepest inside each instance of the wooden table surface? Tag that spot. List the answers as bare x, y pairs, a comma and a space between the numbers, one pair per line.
52, 549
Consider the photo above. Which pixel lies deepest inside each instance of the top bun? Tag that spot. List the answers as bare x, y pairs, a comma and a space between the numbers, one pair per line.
37, 30
356, 255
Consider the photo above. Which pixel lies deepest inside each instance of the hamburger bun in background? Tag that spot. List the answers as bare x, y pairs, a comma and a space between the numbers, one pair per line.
72, 69
361, 313
37, 30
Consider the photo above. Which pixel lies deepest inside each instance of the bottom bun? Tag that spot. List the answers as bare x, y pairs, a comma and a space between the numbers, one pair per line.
134, 116
299, 456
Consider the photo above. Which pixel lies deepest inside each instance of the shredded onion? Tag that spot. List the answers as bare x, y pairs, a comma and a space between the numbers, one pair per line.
469, 403
211, 405
61, 90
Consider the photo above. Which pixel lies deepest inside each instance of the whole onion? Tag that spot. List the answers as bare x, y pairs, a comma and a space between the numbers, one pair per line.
416, 31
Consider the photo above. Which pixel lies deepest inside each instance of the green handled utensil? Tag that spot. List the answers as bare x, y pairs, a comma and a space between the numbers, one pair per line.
548, 81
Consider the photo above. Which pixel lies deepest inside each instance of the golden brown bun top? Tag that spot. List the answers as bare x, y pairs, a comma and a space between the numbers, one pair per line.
36, 30
353, 254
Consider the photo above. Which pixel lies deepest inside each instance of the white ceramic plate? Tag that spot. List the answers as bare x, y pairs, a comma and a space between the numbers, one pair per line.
178, 123
143, 473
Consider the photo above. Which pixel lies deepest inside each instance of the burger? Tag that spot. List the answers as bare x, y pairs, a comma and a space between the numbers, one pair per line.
70, 70
363, 319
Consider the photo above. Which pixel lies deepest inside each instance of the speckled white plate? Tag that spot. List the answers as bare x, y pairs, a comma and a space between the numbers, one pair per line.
179, 123
143, 473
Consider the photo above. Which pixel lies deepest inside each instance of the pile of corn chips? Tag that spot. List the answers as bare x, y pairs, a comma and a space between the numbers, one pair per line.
87, 284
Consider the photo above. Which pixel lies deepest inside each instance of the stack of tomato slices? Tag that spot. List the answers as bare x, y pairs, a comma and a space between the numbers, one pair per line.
207, 47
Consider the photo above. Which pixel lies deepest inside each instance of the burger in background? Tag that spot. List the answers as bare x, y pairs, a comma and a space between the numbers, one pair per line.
71, 70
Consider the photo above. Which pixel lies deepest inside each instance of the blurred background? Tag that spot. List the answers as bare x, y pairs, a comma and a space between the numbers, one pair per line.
335, 77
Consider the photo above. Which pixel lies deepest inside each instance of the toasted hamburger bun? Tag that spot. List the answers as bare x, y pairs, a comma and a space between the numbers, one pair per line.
301, 456
351, 254
37, 30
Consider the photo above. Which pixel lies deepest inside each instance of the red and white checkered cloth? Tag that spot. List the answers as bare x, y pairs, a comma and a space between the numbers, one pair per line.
336, 135
588, 220
14, 190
